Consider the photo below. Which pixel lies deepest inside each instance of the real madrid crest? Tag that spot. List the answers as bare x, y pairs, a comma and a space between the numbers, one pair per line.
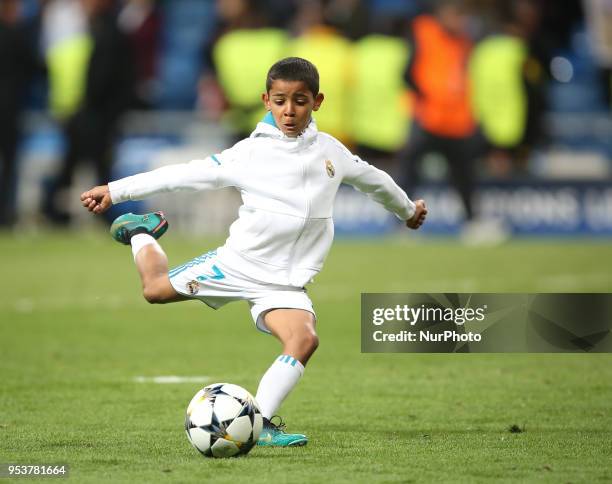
193, 287
329, 167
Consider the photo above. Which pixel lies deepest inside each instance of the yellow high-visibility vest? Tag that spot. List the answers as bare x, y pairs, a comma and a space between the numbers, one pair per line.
242, 59
499, 98
67, 64
380, 111
332, 54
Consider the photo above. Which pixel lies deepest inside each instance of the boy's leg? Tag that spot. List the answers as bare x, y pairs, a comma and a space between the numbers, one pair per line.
295, 329
152, 264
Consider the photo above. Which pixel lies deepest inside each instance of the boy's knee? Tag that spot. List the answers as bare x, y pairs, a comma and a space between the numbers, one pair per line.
309, 342
313, 342
159, 290
154, 294
305, 346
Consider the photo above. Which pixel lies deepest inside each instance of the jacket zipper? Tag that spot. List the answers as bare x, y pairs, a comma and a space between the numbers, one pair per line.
306, 215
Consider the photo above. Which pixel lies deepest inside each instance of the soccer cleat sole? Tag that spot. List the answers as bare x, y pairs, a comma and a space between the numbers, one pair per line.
299, 443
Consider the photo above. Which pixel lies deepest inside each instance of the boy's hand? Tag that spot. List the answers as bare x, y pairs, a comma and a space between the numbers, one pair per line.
419, 215
97, 200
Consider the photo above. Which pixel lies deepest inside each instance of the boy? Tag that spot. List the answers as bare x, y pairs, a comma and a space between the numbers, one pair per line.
288, 175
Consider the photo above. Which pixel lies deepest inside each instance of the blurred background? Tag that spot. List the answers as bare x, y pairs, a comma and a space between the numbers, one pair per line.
498, 113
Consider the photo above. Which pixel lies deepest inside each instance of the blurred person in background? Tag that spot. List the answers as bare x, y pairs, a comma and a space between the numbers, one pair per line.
280, 12
237, 59
351, 17
18, 65
67, 47
508, 87
322, 43
379, 122
104, 77
141, 21
443, 121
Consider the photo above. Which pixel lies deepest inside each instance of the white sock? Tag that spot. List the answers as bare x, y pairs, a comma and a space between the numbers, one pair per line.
276, 384
139, 241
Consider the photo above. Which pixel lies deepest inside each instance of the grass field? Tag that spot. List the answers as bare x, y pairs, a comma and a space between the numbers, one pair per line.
75, 333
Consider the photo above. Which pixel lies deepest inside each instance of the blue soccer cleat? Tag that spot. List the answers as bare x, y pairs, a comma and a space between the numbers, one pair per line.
274, 435
130, 224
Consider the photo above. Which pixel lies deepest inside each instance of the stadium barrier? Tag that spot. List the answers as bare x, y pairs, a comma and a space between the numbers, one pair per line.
530, 208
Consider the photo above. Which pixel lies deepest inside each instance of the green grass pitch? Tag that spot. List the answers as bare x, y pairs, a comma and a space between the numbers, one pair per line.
75, 332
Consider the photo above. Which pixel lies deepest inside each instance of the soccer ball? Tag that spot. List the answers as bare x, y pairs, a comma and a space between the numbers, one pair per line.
223, 420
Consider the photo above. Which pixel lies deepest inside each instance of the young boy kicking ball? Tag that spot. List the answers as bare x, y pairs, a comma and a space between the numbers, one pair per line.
288, 174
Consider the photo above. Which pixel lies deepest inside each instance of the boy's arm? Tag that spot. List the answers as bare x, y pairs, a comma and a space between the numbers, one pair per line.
380, 187
193, 176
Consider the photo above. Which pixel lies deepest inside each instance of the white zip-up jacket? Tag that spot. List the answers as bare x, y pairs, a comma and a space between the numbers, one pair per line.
288, 185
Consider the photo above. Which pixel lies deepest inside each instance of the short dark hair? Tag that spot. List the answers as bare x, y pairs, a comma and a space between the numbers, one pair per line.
294, 69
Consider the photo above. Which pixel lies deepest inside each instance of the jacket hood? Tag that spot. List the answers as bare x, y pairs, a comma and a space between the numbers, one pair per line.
267, 128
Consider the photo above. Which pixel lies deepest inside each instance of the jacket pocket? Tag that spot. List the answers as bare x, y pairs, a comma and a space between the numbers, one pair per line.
265, 236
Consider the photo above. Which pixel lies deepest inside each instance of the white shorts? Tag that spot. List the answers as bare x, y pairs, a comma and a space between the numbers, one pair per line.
214, 283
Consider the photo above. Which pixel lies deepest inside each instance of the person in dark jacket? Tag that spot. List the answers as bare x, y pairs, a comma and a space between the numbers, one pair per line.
18, 65
91, 130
